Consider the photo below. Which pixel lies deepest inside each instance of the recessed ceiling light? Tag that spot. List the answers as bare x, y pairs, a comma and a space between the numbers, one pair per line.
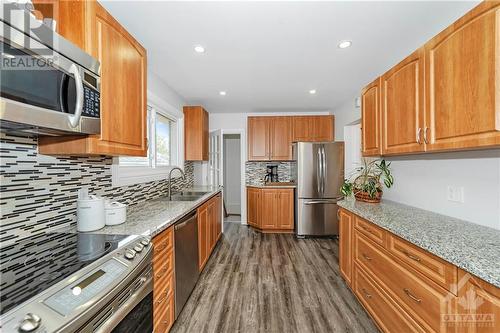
344, 44
222, 93
199, 48
312, 91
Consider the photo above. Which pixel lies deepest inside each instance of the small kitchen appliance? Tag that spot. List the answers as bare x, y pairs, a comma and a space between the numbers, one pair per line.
116, 212
271, 174
51, 282
90, 213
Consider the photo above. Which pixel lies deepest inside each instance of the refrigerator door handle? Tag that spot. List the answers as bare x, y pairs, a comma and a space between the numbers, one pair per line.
323, 173
319, 178
320, 202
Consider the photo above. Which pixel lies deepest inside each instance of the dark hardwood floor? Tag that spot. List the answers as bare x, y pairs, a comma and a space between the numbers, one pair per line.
272, 283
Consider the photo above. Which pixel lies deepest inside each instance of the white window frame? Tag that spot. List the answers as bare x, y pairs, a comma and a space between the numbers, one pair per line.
123, 175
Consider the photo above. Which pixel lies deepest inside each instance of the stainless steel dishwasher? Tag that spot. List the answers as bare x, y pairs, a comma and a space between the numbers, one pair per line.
186, 259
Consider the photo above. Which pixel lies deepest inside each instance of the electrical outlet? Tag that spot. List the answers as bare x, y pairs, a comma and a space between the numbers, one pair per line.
455, 193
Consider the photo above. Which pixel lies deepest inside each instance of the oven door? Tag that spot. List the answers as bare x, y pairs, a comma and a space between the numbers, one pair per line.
139, 319
42, 91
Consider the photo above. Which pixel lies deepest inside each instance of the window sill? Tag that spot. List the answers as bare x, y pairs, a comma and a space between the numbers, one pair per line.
130, 175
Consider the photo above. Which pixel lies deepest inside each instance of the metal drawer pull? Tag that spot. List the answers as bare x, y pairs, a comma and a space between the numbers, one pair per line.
411, 256
167, 295
367, 294
165, 245
413, 297
419, 131
162, 271
366, 257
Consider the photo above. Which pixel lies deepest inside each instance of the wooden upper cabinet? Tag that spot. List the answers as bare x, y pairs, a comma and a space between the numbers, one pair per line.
370, 119
403, 106
123, 87
345, 244
281, 138
323, 128
258, 138
462, 82
195, 133
313, 128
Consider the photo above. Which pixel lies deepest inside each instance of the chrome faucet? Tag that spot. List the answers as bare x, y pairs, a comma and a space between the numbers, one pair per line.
170, 180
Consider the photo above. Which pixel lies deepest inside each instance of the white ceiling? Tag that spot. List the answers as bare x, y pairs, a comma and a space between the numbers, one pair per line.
268, 55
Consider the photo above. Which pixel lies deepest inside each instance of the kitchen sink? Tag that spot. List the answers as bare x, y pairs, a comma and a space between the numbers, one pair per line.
193, 193
181, 197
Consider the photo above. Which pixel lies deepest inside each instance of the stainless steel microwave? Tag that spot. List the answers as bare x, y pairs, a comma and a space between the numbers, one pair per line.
47, 84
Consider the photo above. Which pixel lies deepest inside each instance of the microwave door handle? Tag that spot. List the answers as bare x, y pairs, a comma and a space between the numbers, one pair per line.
74, 120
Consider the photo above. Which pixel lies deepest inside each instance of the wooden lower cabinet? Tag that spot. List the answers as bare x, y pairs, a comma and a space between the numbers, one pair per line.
209, 228
407, 289
271, 209
163, 281
345, 245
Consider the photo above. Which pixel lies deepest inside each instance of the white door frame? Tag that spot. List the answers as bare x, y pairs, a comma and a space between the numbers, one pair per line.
243, 158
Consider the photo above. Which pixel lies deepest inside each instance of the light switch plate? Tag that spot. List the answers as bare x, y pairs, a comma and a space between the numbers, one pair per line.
455, 193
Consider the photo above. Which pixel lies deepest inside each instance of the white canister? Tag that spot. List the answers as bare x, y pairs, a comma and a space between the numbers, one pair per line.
116, 213
90, 214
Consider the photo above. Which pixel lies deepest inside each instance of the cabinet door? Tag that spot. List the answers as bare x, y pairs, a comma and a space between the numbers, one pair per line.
253, 204
218, 215
285, 209
195, 133
258, 138
281, 138
403, 106
323, 128
269, 215
481, 300
211, 226
302, 128
462, 82
370, 119
123, 88
202, 236
345, 245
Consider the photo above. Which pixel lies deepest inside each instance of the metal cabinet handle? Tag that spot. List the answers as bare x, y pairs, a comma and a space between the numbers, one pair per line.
425, 135
367, 294
338, 214
167, 295
411, 256
413, 297
419, 132
162, 271
366, 257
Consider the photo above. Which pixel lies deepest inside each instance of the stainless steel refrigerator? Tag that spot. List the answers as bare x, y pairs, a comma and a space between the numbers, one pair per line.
319, 173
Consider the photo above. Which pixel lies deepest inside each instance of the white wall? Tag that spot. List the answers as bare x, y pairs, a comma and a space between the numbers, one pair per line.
422, 180
232, 173
344, 114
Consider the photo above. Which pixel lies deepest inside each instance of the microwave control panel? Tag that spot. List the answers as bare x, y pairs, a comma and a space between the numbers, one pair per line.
92, 103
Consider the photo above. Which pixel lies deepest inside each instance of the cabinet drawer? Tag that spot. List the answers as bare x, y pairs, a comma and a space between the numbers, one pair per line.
436, 269
373, 232
388, 315
163, 314
426, 302
163, 264
164, 241
163, 289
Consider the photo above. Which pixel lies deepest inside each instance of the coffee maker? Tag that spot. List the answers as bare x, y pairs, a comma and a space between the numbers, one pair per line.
271, 174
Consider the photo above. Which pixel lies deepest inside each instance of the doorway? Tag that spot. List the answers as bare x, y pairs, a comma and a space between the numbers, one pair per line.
231, 145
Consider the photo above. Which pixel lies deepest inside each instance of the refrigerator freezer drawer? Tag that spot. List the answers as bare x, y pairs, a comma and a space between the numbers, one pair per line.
317, 217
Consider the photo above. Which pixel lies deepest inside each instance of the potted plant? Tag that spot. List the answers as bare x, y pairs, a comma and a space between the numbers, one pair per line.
365, 184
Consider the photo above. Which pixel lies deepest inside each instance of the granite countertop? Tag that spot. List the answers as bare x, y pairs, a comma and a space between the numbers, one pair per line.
152, 217
272, 186
472, 247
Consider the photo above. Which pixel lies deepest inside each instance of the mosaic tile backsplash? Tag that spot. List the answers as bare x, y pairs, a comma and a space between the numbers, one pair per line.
39, 192
255, 172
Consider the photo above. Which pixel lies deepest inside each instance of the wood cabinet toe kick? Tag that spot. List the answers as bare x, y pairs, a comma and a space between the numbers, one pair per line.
407, 289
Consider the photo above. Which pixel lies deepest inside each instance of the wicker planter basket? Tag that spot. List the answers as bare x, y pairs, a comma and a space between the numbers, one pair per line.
365, 197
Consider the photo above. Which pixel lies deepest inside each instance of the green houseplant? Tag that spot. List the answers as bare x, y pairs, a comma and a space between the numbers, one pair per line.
366, 182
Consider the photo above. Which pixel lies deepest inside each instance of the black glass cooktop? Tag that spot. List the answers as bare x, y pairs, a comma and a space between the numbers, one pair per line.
31, 265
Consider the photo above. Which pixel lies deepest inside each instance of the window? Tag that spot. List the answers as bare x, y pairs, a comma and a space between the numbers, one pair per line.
162, 152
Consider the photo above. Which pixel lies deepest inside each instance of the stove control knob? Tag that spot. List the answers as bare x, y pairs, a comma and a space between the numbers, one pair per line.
29, 323
145, 241
129, 254
138, 247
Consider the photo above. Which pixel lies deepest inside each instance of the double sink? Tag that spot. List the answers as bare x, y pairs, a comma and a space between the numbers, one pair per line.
188, 195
